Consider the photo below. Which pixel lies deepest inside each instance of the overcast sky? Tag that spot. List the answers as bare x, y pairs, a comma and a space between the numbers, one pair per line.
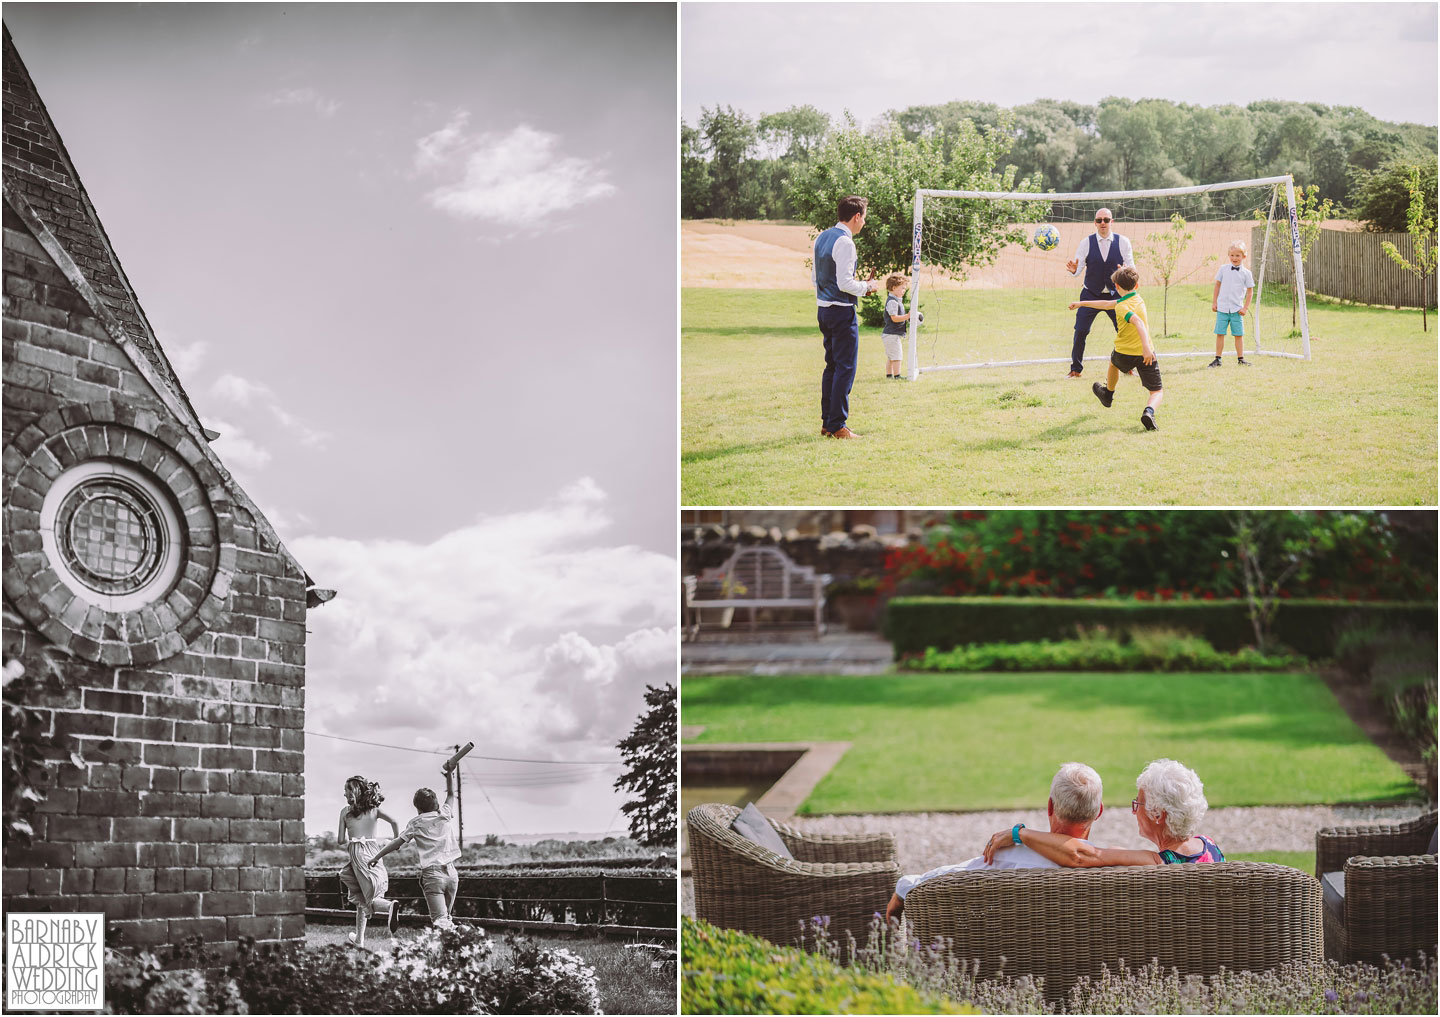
416, 264
869, 58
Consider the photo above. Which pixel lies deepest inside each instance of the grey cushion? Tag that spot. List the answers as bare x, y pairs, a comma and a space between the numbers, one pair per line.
1332, 888
1431, 849
754, 827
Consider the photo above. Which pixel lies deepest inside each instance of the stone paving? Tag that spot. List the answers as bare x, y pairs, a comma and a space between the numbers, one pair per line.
776, 653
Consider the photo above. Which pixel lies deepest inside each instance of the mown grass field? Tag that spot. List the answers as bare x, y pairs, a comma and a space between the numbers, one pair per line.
1356, 425
987, 741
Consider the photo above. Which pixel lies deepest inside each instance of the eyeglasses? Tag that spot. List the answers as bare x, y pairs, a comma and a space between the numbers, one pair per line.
1102, 220
1134, 806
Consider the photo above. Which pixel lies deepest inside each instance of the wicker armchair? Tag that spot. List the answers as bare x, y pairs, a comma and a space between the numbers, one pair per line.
1065, 923
1389, 906
740, 885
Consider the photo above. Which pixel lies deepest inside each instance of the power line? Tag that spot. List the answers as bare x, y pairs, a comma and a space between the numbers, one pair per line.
495, 759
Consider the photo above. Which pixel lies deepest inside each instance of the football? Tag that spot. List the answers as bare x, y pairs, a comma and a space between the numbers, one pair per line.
1047, 238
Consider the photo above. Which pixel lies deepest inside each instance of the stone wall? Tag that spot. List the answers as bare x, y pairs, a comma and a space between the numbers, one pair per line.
187, 708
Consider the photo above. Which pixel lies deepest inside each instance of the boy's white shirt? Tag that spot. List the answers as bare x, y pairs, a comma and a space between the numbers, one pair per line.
1232, 288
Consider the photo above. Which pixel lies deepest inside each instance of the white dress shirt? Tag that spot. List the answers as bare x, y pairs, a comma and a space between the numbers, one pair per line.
1018, 856
845, 257
1081, 252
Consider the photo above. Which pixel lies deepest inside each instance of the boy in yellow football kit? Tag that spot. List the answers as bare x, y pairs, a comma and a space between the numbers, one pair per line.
1133, 346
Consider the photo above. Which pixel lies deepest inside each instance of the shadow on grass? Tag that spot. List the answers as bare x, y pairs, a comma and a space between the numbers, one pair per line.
1077, 427
707, 454
755, 330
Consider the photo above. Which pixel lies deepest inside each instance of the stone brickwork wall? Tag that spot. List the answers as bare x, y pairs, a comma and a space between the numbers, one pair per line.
188, 815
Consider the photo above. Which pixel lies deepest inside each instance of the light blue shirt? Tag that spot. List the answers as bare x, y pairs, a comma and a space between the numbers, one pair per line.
1017, 857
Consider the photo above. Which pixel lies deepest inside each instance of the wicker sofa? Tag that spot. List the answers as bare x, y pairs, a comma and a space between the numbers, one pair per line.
1389, 902
740, 885
1062, 924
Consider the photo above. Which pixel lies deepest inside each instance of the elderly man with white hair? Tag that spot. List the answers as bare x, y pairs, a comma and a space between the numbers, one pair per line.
1169, 805
1075, 804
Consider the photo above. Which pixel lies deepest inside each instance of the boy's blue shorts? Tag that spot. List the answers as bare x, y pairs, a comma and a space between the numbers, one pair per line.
1232, 319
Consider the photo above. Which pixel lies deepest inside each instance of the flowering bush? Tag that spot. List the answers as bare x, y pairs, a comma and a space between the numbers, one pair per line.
445, 970
1150, 555
441, 971
1319, 988
138, 983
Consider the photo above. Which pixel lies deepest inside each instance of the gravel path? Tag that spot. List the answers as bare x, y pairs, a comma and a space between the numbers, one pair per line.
924, 840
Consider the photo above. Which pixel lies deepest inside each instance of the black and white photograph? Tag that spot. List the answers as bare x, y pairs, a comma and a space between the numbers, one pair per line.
340, 615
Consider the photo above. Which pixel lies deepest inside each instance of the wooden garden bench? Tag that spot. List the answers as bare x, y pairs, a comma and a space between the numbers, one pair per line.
752, 578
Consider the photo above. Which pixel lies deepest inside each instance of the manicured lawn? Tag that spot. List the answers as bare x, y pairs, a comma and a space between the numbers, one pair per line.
1302, 860
1353, 426
990, 741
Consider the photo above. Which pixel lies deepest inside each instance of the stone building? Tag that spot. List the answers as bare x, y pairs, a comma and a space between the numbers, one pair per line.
139, 573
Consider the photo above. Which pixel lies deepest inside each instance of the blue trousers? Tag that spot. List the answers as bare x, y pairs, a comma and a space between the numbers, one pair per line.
840, 329
1084, 318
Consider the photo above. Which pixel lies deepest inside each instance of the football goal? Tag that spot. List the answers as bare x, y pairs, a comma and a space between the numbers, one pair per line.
992, 285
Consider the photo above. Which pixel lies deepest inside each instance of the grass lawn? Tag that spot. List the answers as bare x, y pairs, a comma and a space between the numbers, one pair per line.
988, 741
628, 984
1353, 426
1302, 860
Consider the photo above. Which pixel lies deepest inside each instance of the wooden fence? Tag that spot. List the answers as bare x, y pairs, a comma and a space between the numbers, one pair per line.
1351, 266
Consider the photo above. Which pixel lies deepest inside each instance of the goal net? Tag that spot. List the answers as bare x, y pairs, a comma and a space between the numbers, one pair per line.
990, 295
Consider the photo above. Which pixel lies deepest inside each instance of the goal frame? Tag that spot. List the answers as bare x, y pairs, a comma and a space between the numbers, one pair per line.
913, 370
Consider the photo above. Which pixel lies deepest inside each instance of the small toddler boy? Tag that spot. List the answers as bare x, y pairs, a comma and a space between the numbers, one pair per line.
896, 324
1234, 286
434, 838
1134, 348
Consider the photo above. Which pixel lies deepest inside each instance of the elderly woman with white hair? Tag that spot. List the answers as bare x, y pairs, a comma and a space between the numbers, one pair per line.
1168, 807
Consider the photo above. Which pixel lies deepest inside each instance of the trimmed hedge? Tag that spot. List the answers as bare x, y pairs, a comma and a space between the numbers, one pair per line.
915, 624
730, 972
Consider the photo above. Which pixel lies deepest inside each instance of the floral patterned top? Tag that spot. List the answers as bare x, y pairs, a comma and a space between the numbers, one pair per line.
1210, 852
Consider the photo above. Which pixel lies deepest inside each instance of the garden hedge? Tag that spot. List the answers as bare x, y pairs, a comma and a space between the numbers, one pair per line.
1309, 627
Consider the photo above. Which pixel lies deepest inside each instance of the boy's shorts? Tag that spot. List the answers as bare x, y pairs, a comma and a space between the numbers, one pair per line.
438, 879
894, 346
1231, 318
1149, 373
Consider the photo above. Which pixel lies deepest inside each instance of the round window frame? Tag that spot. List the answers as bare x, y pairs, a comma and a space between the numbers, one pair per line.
172, 534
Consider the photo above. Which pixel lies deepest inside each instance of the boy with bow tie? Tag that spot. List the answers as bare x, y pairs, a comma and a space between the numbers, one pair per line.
1234, 285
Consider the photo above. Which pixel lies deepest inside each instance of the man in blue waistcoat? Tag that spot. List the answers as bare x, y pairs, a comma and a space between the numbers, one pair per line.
1099, 254
837, 292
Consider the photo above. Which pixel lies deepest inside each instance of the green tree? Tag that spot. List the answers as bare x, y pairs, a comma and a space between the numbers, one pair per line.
651, 774
888, 168
795, 133
1311, 211
729, 137
694, 175
1162, 252
1381, 200
1420, 224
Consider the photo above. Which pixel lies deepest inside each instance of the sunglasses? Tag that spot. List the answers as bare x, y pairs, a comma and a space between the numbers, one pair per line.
1102, 220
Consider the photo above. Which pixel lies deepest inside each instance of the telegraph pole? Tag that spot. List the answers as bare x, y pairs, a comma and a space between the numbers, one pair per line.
460, 802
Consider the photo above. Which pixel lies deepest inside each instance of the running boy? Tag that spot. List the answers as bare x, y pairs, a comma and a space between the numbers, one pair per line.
1234, 285
893, 334
1133, 346
434, 838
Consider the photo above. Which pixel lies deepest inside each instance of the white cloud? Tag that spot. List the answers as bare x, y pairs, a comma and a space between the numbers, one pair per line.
517, 179
240, 453
524, 632
185, 358
232, 388
321, 104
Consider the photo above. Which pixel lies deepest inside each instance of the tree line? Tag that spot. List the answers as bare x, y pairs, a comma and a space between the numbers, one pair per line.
737, 167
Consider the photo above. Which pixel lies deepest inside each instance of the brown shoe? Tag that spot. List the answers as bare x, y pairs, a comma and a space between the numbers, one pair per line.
844, 432
1073, 374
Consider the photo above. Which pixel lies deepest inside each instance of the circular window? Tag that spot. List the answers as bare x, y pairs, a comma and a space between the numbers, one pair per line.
113, 534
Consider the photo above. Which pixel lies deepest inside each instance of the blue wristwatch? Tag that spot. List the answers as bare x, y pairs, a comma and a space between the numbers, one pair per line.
1015, 832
